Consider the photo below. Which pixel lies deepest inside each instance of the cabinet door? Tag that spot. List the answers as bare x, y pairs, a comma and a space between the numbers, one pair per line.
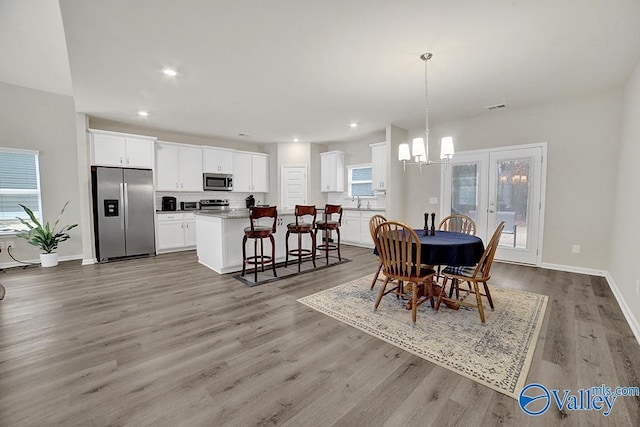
332, 171
217, 160
242, 172
139, 153
167, 173
190, 169
260, 173
190, 233
108, 150
350, 230
365, 233
327, 172
170, 234
379, 165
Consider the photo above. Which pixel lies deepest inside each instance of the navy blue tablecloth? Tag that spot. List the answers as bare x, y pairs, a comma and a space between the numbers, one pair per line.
449, 248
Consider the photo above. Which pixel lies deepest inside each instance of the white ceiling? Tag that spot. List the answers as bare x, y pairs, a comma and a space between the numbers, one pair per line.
281, 69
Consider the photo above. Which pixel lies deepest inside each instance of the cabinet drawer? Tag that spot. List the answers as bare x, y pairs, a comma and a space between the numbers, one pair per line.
170, 217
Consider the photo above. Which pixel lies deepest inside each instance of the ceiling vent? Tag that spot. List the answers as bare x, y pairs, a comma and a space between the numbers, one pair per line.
495, 107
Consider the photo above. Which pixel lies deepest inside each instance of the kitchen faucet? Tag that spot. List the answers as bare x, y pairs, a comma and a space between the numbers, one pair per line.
358, 202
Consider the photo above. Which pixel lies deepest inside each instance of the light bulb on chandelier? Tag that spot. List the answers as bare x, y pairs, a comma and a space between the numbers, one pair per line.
420, 149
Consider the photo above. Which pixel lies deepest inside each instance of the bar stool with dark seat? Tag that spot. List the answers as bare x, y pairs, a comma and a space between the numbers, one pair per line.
260, 232
301, 227
328, 224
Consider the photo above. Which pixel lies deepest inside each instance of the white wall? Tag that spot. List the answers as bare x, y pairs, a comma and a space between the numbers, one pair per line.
582, 136
43, 121
625, 251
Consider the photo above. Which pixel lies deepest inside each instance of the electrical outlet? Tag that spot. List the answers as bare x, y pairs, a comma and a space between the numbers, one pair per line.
1, 246
637, 286
10, 244
575, 249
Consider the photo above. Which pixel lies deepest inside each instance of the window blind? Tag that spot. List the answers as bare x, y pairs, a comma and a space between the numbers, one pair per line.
19, 184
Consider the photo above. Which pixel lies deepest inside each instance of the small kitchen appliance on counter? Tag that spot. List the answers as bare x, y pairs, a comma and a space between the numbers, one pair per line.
169, 203
188, 206
250, 201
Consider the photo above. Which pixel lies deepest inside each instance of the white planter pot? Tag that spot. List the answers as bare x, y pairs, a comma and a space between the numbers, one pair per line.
49, 260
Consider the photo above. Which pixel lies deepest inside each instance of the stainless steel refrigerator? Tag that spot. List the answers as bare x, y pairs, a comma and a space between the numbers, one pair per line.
123, 212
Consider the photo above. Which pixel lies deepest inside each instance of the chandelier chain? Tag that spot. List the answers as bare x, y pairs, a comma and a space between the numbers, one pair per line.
425, 57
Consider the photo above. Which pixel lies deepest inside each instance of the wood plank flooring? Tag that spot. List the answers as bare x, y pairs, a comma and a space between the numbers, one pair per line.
165, 341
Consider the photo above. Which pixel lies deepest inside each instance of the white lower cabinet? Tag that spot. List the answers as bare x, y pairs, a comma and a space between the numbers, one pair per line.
355, 227
350, 228
175, 232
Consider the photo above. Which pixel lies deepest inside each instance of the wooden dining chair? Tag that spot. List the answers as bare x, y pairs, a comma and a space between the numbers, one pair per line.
458, 222
374, 222
400, 250
481, 273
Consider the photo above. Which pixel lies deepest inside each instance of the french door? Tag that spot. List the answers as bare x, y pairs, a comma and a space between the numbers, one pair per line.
497, 185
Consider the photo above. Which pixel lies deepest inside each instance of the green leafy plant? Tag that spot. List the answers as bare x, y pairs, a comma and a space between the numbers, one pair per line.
45, 237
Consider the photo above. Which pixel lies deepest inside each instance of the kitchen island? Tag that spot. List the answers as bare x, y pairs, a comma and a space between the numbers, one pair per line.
219, 238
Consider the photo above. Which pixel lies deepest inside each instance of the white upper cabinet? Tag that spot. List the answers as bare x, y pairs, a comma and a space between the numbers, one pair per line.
379, 165
218, 160
119, 149
332, 171
250, 172
178, 167
260, 173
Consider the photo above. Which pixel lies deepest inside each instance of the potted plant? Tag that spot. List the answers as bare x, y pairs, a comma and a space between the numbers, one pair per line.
45, 237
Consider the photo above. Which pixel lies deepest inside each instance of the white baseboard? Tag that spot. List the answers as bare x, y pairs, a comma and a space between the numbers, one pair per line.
573, 269
628, 315
37, 261
631, 320
89, 261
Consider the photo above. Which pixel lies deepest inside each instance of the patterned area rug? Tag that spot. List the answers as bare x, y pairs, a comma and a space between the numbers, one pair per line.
497, 354
289, 271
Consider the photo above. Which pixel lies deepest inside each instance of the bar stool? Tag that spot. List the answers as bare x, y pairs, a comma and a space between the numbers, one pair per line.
260, 232
328, 224
300, 227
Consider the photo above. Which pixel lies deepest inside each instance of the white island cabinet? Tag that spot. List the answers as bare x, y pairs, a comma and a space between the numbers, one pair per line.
219, 240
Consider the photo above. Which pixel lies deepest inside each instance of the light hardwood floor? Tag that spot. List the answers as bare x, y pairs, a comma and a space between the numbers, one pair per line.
165, 341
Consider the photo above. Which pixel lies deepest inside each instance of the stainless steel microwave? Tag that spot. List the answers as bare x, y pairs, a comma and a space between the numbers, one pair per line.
217, 182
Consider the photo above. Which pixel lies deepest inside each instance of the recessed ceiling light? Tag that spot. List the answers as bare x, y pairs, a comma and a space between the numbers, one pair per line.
296, 139
143, 113
170, 72
353, 125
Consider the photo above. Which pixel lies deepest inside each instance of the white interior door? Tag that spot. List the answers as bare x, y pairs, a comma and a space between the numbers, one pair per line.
500, 185
293, 186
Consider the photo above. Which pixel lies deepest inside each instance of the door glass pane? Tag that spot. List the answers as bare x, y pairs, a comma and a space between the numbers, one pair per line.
464, 190
513, 201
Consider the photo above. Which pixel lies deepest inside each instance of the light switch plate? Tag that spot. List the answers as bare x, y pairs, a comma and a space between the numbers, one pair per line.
575, 249
433, 200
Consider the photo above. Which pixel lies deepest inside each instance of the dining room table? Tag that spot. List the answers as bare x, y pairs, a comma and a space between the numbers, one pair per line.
449, 248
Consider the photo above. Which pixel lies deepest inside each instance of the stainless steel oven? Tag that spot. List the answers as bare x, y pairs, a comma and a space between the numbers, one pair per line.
217, 182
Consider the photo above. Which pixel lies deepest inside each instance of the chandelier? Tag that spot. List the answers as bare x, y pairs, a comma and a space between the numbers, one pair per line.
420, 146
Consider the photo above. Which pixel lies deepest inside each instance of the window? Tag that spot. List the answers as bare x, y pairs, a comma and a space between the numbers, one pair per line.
19, 184
360, 180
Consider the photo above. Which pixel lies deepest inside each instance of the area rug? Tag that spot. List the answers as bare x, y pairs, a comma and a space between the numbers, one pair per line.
289, 271
497, 354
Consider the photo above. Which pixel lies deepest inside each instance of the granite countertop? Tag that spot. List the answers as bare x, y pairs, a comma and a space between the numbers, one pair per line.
244, 213
228, 214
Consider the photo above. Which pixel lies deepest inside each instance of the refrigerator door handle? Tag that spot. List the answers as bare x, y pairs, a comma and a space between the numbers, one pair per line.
121, 201
126, 205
